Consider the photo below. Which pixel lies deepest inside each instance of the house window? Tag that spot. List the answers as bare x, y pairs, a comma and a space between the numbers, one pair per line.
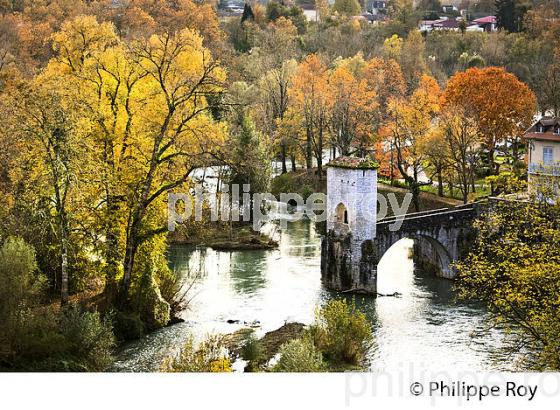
557, 129
540, 128
548, 158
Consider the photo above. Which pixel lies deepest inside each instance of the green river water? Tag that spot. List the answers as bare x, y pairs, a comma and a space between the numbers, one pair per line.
425, 327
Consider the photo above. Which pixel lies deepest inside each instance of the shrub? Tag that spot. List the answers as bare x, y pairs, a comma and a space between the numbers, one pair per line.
210, 356
128, 326
89, 336
505, 183
282, 184
299, 355
253, 352
66, 340
20, 289
39, 337
342, 332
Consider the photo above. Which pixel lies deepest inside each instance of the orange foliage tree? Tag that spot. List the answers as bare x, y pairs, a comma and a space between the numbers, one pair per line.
501, 105
310, 100
410, 122
354, 106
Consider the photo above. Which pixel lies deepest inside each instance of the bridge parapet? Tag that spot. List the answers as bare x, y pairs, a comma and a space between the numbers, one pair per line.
441, 236
353, 246
423, 220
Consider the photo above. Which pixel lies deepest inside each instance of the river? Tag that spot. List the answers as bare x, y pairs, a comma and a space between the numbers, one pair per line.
425, 327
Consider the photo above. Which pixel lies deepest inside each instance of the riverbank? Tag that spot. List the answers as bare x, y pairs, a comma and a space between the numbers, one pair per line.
270, 342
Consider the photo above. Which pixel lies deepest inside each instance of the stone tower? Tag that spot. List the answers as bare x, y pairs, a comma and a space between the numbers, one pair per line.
348, 254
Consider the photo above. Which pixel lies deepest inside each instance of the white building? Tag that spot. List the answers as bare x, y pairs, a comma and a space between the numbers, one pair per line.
543, 156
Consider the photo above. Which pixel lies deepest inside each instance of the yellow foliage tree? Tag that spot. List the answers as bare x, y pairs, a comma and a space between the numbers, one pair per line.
410, 121
148, 122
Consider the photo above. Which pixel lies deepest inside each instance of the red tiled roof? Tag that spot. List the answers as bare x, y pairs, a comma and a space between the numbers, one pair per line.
485, 20
448, 23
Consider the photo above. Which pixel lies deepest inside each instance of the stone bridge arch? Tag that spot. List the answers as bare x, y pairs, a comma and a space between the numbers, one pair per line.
441, 237
355, 241
429, 253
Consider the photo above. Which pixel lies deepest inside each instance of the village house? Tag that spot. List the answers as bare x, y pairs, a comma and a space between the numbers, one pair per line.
445, 23
543, 156
449, 8
484, 24
487, 24
376, 6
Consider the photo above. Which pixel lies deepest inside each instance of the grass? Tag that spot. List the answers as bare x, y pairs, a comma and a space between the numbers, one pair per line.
482, 189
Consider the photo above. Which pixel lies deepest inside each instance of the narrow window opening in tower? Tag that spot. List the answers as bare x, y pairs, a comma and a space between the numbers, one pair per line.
341, 214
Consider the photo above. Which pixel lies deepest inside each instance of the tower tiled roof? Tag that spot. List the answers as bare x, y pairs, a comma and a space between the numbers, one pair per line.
353, 162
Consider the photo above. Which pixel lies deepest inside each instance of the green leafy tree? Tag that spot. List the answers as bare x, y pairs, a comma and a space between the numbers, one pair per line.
430, 9
510, 14
20, 287
347, 7
275, 10
250, 158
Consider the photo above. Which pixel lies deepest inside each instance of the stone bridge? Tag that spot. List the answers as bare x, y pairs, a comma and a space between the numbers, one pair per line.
355, 241
441, 236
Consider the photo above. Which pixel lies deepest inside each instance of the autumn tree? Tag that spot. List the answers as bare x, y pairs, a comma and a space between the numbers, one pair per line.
501, 105
170, 16
385, 78
274, 87
434, 148
309, 96
149, 122
347, 7
410, 122
461, 143
274, 45
45, 125
409, 54
276, 10
354, 106
404, 17
323, 9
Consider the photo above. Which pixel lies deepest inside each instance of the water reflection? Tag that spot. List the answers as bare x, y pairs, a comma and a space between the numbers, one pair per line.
424, 327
